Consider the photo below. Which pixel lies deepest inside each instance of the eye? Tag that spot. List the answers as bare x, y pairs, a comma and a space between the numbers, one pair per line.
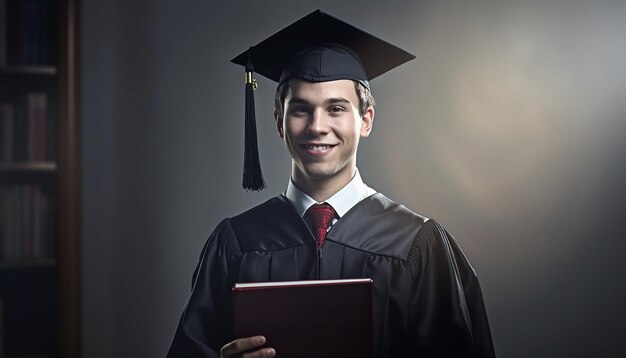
298, 110
336, 109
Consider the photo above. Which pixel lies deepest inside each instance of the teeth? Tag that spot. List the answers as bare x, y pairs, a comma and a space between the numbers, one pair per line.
317, 147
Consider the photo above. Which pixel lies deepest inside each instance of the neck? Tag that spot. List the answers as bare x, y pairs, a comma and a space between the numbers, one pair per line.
320, 189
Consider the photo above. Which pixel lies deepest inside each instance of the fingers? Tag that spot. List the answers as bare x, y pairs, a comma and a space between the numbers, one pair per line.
261, 353
241, 345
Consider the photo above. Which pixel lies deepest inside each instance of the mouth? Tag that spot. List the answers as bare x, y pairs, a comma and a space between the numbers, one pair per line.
317, 149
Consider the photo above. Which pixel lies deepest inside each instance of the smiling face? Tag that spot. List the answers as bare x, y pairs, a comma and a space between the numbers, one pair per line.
321, 126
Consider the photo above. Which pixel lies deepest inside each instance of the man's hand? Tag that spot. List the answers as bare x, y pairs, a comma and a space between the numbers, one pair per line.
241, 348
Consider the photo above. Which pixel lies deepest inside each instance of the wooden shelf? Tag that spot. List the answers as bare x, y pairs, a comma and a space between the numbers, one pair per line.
29, 70
27, 167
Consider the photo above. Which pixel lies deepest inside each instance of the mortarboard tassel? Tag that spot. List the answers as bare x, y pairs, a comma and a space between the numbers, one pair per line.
252, 175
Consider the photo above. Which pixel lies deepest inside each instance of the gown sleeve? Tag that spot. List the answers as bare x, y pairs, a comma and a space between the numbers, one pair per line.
448, 317
206, 322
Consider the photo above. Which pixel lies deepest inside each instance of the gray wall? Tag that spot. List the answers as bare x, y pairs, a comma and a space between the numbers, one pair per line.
509, 128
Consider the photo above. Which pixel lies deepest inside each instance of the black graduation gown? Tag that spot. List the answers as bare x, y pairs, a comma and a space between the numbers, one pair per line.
427, 299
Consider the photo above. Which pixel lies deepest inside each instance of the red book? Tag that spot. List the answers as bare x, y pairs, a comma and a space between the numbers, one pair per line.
306, 319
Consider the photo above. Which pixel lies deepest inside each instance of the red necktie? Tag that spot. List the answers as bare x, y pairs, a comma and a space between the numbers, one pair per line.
321, 215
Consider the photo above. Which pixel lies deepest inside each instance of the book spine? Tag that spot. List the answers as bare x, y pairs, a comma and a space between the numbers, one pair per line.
36, 140
41, 234
47, 227
25, 32
43, 37
24, 222
8, 124
31, 223
20, 132
36, 249
31, 122
36, 20
12, 246
41, 127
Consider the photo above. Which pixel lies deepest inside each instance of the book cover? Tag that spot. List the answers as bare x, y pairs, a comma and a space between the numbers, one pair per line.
306, 319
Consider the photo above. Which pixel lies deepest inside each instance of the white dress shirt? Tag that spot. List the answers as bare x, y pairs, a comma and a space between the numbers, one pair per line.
342, 201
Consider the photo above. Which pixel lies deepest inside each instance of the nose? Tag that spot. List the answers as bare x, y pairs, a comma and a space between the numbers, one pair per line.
318, 123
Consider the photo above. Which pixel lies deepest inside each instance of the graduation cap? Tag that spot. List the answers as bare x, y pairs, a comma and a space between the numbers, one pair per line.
317, 48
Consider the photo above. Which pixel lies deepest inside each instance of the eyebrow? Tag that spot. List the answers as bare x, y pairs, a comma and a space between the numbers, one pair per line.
329, 101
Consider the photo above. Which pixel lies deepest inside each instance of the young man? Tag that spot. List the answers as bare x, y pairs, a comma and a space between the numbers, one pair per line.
426, 297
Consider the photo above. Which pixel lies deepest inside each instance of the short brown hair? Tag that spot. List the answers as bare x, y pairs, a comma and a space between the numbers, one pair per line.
366, 99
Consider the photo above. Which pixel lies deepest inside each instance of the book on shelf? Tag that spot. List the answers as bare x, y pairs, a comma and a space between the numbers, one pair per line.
306, 319
24, 131
28, 32
25, 225
37, 109
7, 122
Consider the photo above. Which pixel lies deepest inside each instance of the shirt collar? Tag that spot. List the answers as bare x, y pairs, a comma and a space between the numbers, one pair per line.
341, 201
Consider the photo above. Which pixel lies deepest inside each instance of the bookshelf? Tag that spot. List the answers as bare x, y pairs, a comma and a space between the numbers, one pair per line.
39, 179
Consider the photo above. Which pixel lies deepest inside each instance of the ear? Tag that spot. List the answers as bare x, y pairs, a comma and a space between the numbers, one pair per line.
279, 123
367, 121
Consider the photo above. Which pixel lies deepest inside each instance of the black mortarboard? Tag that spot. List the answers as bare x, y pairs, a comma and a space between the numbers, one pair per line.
316, 48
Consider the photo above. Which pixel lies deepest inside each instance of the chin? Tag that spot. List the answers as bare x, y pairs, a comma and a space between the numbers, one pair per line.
315, 170
320, 174
324, 172
319, 171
